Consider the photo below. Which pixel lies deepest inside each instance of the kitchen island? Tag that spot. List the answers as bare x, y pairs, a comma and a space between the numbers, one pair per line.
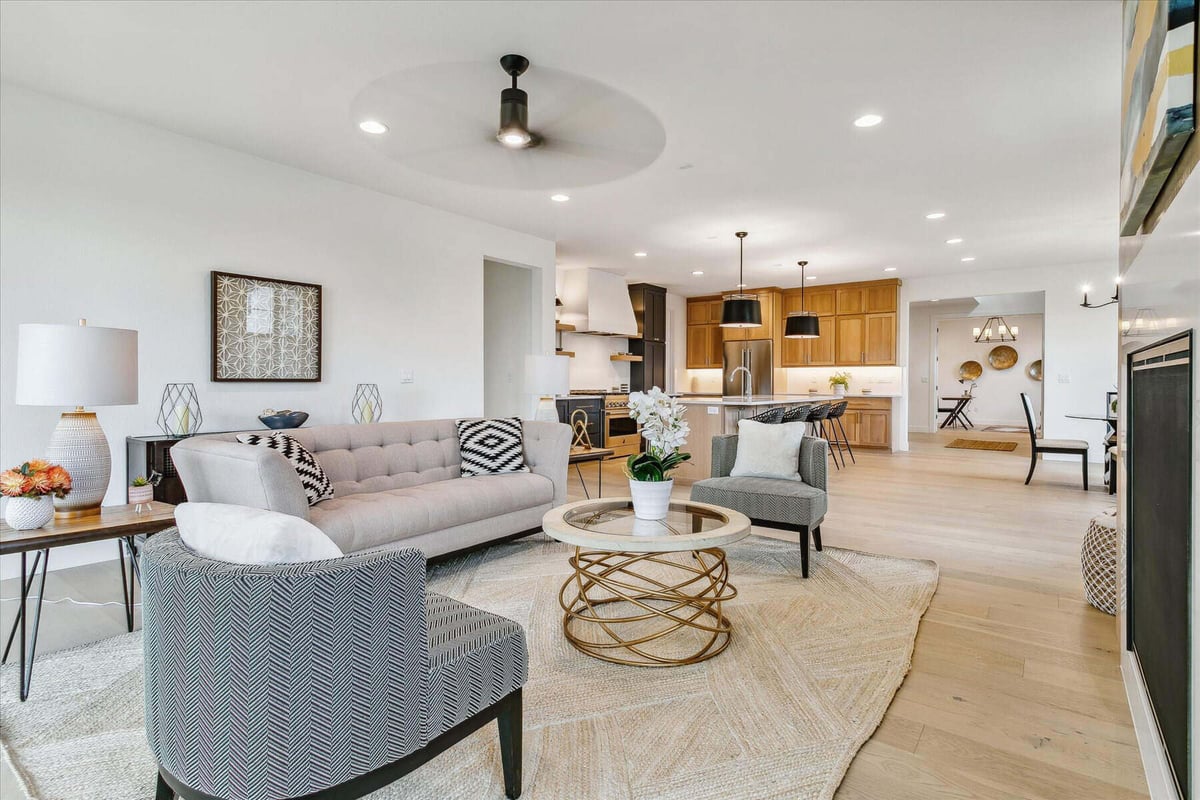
867, 421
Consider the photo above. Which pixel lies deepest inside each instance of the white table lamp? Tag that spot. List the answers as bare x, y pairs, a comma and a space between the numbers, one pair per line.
78, 365
547, 376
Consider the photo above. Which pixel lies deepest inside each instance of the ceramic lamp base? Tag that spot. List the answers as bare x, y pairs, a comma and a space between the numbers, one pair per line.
547, 410
79, 445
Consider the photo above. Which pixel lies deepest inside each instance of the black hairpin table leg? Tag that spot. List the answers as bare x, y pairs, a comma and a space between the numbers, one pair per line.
127, 548
28, 645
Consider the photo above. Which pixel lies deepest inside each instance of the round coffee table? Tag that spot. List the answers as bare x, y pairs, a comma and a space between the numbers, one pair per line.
646, 592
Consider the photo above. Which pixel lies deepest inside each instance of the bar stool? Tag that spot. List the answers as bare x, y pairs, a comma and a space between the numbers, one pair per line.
835, 425
816, 420
797, 414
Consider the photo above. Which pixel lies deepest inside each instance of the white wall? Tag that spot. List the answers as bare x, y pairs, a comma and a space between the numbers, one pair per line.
592, 367
996, 400
1079, 354
109, 219
507, 339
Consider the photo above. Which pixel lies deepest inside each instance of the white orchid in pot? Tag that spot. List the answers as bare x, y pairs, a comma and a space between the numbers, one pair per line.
665, 430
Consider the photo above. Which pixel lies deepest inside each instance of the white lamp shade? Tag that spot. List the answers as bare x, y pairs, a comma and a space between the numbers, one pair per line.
547, 375
76, 365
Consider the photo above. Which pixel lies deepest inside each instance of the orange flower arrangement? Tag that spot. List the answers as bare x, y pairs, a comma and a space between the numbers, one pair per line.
35, 478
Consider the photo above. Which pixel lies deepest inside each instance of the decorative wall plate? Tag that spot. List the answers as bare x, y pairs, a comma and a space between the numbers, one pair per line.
1002, 357
1034, 370
970, 370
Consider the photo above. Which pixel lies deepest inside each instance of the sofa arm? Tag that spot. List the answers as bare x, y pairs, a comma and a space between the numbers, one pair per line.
279, 681
814, 454
218, 471
724, 454
547, 447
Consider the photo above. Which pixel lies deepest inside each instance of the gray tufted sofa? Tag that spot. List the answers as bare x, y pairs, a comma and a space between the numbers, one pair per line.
395, 484
772, 502
321, 679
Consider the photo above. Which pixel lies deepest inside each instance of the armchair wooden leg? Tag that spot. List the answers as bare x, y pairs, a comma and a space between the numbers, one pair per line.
1085, 482
1032, 466
163, 791
816, 533
804, 551
509, 722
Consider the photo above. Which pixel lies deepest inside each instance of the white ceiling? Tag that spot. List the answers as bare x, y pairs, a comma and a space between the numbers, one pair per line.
1005, 115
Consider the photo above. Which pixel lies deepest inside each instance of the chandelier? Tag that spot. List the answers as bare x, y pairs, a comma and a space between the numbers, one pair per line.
995, 330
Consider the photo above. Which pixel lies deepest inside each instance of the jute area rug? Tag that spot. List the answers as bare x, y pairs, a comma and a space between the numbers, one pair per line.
980, 444
781, 713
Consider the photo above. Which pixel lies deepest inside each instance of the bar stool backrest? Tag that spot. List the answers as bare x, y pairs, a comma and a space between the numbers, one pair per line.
837, 409
797, 414
819, 412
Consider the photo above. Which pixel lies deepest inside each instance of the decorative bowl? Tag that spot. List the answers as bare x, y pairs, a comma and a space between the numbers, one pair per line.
1002, 357
1034, 370
970, 370
282, 420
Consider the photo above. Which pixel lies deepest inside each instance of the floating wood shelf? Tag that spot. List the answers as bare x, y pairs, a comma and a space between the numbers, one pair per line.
563, 326
620, 357
567, 353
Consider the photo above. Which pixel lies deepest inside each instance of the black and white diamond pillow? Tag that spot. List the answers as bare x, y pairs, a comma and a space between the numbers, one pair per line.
491, 446
317, 486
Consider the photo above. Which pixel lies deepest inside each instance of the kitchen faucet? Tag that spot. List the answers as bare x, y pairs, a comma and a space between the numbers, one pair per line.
745, 380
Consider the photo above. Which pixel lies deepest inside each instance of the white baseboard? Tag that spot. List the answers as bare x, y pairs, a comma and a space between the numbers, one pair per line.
1159, 780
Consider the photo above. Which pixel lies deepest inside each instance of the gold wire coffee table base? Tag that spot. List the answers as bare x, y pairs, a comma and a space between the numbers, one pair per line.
667, 598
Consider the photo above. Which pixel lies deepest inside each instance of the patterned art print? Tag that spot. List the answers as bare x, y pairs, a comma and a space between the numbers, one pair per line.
265, 330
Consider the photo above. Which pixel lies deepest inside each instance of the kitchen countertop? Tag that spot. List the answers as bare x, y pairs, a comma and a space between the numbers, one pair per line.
775, 399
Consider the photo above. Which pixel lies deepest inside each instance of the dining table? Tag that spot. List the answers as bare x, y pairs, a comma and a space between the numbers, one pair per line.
1110, 438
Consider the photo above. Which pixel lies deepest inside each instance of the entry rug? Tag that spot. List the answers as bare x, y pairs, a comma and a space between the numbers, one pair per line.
980, 444
811, 669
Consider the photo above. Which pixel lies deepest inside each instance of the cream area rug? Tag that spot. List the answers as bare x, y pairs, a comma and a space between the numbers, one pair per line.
812, 667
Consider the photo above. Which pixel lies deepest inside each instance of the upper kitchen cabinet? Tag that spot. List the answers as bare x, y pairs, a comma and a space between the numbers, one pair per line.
879, 338
817, 352
705, 347
880, 298
650, 310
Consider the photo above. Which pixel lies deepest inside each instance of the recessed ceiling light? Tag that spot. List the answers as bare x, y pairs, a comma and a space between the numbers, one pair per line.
889, 269
639, 254
935, 215
868, 121
560, 198
697, 272
812, 277
372, 126
710, 237
969, 258
955, 240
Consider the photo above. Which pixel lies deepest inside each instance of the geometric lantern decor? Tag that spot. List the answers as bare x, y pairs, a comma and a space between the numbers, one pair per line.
367, 405
179, 410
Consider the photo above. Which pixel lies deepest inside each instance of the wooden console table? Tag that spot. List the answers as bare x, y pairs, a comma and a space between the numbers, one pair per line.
122, 523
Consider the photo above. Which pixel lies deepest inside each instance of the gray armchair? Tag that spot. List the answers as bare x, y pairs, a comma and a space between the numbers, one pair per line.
326, 679
772, 502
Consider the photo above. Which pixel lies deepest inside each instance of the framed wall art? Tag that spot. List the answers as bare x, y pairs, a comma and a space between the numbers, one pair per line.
265, 329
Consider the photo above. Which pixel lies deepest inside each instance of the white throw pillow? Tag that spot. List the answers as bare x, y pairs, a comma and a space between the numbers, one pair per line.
768, 451
243, 535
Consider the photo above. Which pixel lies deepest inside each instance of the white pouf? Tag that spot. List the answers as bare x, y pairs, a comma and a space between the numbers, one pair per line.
1100, 561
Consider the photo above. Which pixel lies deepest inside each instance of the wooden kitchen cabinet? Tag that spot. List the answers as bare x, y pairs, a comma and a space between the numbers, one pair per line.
849, 339
879, 338
705, 349
880, 299
868, 421
850, 300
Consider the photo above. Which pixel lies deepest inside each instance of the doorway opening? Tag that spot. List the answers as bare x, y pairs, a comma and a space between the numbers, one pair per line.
511, 331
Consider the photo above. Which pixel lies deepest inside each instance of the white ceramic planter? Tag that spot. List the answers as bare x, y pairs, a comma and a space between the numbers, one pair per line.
141, 494
839, 390
651, 498
27, 513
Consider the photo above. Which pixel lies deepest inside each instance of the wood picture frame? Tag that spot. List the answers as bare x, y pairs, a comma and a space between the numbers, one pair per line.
265, 330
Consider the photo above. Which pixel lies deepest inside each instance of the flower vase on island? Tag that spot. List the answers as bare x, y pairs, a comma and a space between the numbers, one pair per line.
839, 382
30, 489
665, 431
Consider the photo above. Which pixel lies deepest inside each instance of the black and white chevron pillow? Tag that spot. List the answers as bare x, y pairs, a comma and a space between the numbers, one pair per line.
317, 486
491, 446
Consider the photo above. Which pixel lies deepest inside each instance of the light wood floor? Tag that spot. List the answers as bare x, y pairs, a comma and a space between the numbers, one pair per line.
1015, 690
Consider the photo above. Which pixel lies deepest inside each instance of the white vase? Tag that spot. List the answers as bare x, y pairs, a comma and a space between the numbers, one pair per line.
650, 498
839, 390
27, 513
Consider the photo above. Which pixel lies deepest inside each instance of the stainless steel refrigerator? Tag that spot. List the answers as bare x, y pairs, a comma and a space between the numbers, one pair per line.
756, 356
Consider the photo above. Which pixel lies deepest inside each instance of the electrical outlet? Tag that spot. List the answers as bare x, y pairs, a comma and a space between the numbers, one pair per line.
406, 376
1064, 377
714, 410
924, 379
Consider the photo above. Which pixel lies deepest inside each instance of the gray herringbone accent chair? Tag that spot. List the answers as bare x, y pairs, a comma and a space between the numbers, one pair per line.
772, 502
325, 679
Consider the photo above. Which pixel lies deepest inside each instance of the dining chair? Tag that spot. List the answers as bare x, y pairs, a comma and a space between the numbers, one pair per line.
1077, 447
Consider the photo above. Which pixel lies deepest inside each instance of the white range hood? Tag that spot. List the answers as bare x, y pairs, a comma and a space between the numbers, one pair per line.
598, 303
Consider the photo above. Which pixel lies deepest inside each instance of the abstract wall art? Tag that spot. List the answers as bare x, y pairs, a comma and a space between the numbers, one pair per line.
265, 329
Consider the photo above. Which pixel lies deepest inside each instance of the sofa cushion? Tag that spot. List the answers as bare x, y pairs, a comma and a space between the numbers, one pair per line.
491, 446
372, 519
475, 659
317, 486
770, 499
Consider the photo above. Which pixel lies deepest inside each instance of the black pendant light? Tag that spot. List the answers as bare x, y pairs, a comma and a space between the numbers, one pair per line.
802, 324
514, 131
741, 310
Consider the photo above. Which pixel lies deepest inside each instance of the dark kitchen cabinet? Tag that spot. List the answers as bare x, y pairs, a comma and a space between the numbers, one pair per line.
650, 309
593, 407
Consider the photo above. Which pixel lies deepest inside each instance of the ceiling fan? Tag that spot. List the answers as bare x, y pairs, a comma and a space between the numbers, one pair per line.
514, 107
